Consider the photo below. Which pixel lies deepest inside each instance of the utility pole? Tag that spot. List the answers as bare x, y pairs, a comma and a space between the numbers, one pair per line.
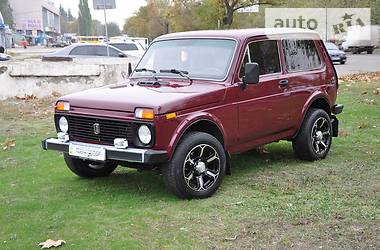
105, 25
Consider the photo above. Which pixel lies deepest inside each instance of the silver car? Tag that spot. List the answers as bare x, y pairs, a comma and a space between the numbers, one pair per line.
84, 50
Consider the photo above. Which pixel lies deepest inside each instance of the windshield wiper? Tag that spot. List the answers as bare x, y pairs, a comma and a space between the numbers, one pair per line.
148, 70
182, 73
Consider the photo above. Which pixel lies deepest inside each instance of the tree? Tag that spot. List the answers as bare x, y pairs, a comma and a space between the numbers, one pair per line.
6, 12
70, 17
63, 13
84, 18
231, 6
150, 21
113, 29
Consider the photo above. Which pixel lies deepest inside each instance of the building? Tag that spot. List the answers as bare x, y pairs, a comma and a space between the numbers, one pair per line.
5, 35
36, 19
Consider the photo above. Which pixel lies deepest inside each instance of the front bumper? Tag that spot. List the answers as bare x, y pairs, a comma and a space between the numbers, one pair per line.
145, 156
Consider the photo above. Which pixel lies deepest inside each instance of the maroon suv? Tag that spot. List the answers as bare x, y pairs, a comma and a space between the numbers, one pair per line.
195, 98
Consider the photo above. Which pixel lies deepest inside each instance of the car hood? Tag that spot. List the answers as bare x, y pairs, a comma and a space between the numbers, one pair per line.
169, 97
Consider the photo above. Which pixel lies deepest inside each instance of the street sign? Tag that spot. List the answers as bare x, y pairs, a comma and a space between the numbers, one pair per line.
254, 8
100, 4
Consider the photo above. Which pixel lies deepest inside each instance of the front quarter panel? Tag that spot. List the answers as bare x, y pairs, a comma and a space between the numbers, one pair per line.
169, 132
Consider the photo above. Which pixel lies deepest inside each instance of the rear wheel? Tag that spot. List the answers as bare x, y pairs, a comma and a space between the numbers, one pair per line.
197, 167
89, 169
315, 136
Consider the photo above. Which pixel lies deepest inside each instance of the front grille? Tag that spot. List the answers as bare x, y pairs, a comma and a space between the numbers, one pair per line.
82, 129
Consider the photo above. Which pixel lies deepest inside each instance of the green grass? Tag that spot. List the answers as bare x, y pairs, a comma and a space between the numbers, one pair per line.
270, 200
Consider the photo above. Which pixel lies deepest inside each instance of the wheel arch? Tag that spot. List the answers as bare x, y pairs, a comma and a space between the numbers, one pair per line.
204, 122
318, 100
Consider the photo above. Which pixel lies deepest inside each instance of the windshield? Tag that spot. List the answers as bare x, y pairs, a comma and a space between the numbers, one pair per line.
331, 46
199, 58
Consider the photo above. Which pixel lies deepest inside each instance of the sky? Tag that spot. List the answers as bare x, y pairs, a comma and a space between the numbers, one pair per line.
124, 9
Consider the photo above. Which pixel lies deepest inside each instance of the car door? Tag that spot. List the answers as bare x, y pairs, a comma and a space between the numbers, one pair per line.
263, 107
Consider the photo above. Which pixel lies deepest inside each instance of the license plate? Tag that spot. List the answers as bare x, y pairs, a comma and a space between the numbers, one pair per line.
88, 152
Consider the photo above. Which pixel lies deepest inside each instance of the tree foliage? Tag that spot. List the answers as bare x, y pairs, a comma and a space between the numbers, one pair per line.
6, 12
163, 16
84, 18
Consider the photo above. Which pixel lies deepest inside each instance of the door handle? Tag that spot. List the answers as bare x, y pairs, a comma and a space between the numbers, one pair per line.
283, 82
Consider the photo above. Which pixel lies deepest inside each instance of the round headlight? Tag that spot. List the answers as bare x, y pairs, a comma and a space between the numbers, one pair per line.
145, 135
63, 124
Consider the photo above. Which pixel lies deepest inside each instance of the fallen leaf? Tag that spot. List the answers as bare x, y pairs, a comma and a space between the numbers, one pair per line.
8, 144
362, 125
51, 243
376, 91
364, 92
302, 223
56, 94
231, 239
235, 203
27, 97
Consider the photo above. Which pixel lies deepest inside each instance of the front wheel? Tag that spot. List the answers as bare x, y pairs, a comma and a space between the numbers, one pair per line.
314, 139
89, 169
197, 167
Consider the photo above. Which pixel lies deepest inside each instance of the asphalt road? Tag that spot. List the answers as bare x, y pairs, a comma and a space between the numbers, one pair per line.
359, 64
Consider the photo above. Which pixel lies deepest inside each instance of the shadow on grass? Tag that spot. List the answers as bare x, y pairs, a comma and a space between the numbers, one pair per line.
128, 183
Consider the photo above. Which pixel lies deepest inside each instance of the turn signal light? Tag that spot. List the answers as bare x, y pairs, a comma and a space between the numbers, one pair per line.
62, 106
171, 116
144, 113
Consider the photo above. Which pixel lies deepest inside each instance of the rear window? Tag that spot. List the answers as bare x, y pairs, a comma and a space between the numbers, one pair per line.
301, 55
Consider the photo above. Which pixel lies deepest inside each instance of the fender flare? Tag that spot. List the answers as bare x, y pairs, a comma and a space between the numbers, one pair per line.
187, 123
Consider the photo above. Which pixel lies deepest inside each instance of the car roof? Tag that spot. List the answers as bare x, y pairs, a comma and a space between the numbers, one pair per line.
66, 51
243, 34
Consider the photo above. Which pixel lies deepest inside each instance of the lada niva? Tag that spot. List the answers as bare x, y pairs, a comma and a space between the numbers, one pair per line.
196, 98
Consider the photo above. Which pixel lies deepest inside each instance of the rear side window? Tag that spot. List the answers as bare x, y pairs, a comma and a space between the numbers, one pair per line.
265, 53
301, 55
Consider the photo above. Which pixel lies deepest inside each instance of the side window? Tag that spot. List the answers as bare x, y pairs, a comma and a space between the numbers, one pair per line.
113, 52
100, 51
81, 51
301, 55
265, 53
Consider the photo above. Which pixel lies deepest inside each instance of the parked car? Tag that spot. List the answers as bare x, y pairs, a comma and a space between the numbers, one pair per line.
5, 57
129, 48
60, 44
335, 53
83, 50
196, 98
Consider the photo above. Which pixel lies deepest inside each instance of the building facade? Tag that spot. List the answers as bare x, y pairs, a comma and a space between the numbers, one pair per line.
36, 18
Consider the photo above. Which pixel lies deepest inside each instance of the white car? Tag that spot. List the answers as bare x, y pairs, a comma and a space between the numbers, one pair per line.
130, 48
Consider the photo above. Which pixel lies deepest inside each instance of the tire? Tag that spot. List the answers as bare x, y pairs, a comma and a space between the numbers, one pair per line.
342, 62
369, 51
314, 138
89, 169
189, 174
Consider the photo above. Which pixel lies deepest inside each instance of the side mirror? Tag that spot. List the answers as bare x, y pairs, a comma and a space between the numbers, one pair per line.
121, 55
251, 74
129, 69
